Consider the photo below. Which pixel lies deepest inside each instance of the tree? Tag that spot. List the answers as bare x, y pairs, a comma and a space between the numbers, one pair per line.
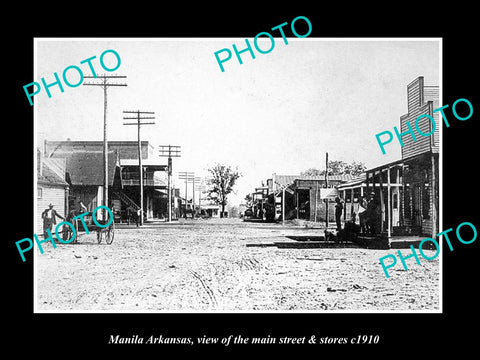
222, 181
312, 172
337, 167
355, 168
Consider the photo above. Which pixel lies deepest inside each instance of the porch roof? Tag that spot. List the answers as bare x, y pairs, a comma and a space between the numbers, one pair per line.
354, 183
385, 166
152, 164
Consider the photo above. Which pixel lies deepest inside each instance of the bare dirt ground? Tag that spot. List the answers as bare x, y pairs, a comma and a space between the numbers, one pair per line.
205, 265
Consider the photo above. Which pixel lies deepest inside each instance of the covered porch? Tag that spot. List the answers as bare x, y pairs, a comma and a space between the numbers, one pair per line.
385, 183
154, 187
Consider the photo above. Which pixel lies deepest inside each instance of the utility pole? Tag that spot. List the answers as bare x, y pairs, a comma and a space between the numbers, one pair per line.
186, 175
169, 151
326, 185
201, 189
195, 180
105, 85
139, 123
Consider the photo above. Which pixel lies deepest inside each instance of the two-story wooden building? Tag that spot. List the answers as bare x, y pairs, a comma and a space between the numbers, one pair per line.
84, 173
408, 189
421, 161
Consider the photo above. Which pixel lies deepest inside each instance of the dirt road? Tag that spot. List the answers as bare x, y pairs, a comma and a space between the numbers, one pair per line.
206, 265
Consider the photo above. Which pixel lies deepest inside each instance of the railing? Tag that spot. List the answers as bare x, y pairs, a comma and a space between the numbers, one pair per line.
123, 197
146, 182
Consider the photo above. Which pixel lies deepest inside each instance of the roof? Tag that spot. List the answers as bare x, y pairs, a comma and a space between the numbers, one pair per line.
282, 180
358, 180
49, 177
86, 168
343, 177
125, 149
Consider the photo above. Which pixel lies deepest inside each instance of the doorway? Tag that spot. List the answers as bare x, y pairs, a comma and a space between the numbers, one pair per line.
303, 204
417, 208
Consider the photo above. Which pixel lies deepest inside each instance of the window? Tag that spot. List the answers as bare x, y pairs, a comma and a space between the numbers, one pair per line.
395, 201
39, 193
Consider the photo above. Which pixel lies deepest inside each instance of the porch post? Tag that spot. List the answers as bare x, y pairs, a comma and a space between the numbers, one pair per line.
351, 203
298, 206
380, 174
434, 197
389, 213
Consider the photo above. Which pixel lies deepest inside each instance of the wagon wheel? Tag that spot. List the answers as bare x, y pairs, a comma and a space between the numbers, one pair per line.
110, 234
99, 236
67, 233
75, 224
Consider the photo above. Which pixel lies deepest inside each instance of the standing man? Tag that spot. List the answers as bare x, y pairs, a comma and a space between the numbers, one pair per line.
48, 216
139, 214
338, 213
374, 217
362, 212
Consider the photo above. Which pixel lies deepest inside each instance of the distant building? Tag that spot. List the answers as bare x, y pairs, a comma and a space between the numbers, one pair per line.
211, 210
301, 197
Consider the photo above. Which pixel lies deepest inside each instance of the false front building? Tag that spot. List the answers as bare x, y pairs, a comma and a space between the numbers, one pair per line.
408, 189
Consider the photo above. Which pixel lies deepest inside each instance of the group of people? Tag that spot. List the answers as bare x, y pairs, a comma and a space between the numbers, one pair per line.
368, 214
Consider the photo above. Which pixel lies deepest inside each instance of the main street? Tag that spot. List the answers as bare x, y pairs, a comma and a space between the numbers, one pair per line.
224, 265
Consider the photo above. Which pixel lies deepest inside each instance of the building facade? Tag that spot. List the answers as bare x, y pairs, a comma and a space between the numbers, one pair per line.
287, 197
421, 161
408, 189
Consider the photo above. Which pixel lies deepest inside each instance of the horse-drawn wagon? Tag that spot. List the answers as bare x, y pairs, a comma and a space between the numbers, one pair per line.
104, 229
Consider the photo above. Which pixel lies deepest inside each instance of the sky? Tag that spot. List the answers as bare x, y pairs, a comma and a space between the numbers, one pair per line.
278, 113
